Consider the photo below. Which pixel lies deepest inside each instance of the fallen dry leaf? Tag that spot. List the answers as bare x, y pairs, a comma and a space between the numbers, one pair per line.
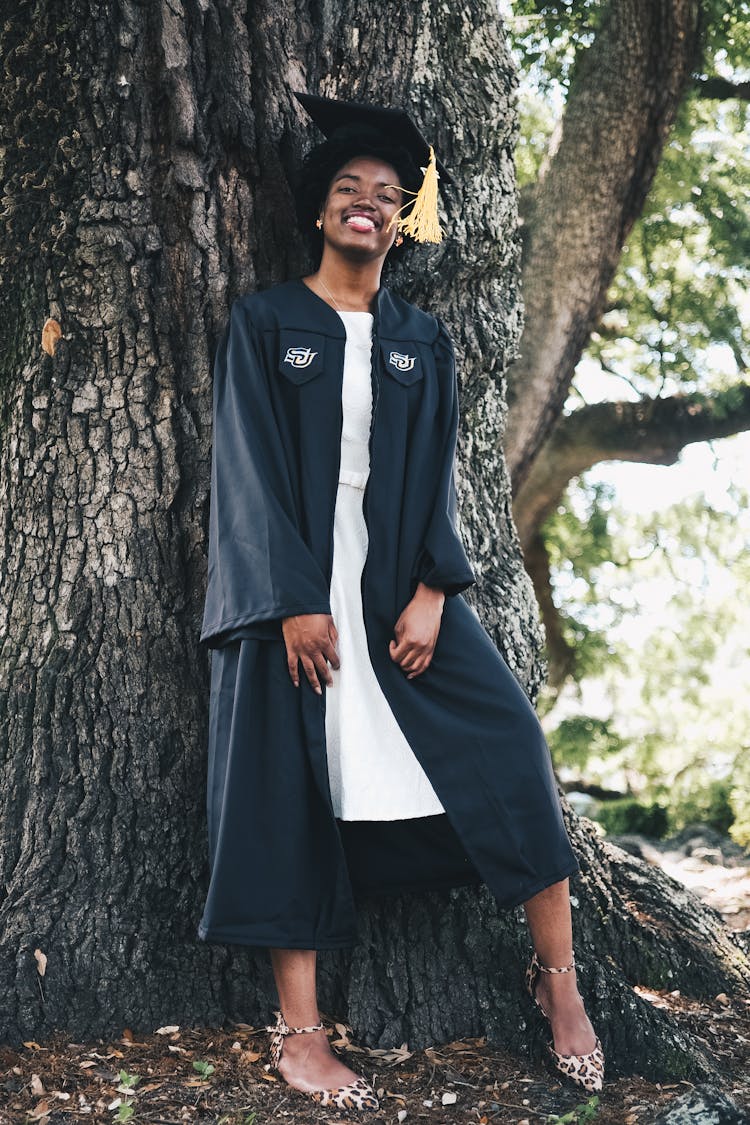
51, 333
40, 1111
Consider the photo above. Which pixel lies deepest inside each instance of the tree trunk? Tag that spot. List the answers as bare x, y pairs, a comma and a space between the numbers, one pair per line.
622, 101
145, 186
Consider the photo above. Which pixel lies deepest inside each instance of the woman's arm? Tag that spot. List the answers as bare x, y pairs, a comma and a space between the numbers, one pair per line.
442, 562
259, 567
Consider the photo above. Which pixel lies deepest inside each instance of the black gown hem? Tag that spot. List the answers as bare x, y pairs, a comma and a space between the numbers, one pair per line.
227, 936
539, 885
363, 892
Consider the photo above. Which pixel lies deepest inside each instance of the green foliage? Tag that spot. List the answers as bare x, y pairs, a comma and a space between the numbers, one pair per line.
548, 38
126, 1086
726, 36
676, 320
627, 814
579, 543
697, 803
584, 1111
577, 738
204, 1068
671, 718
128, 1081
739, 799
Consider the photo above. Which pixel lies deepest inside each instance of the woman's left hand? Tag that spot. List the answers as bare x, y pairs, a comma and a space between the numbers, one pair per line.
416, 630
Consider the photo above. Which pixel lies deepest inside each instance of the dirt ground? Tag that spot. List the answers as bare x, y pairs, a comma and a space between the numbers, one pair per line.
177, 1076
212, 1076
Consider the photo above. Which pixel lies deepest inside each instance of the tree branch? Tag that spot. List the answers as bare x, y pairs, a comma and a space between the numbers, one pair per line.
560, 655
715, 87
653, 431
592, 790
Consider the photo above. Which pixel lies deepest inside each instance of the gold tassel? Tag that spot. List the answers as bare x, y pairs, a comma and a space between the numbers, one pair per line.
422, 222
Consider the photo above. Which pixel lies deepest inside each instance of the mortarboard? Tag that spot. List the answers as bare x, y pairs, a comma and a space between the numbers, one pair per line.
330, 114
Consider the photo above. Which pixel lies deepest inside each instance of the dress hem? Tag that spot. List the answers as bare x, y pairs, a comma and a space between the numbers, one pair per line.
239, 937
469, 881
226, 936
539, 885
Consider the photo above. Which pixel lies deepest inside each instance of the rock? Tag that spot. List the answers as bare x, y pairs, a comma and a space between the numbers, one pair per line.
708, 855
696, 837
742, 937
706, 1106
640, 846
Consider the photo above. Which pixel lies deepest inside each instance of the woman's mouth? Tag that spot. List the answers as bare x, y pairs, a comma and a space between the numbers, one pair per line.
361, 223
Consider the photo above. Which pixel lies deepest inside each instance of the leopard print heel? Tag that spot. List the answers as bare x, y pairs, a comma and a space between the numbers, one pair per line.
585, 1070
355, 1095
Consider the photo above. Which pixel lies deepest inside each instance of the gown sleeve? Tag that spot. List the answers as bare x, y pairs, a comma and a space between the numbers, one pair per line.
260, 570
442, 562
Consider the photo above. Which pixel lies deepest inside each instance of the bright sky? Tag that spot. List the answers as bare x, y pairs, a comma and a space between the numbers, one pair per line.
701, 468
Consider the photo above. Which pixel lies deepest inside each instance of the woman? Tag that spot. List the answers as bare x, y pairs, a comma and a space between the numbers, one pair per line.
365, 735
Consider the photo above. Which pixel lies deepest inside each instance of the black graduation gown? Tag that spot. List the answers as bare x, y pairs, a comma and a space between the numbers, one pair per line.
284, 870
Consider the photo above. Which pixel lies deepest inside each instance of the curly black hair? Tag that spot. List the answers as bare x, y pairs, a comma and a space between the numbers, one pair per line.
321, 163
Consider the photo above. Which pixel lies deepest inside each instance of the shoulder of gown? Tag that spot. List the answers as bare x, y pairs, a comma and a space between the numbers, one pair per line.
290, 301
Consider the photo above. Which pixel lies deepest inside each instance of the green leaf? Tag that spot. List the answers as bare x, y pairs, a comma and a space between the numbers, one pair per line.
204, 1068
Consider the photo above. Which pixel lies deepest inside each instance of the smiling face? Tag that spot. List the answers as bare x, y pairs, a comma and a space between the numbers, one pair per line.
359, 206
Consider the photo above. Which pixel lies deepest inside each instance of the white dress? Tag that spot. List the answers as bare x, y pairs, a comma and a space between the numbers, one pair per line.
374, 774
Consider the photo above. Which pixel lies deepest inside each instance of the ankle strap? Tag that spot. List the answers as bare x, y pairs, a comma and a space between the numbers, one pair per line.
552, 969
281, 1027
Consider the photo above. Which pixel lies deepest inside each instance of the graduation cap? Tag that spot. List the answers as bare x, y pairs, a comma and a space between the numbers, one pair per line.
330, 114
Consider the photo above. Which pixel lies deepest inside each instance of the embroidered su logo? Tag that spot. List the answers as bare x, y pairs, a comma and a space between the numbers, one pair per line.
402, 362
299, 357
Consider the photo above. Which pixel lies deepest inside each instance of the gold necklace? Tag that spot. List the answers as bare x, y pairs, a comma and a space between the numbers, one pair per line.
335, 303
330, 294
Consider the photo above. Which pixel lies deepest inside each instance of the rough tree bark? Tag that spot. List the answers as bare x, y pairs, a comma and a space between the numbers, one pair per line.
146, 154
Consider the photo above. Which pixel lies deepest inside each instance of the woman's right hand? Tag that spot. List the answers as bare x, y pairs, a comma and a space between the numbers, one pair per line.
311, 637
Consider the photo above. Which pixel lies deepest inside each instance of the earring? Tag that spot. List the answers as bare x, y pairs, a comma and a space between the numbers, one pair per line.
319, 223
399, 240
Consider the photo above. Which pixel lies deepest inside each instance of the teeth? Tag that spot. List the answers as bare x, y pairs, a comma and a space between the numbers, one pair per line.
361, 221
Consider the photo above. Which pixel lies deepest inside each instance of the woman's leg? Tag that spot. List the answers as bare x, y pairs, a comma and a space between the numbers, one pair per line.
307, 1062
548, 916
